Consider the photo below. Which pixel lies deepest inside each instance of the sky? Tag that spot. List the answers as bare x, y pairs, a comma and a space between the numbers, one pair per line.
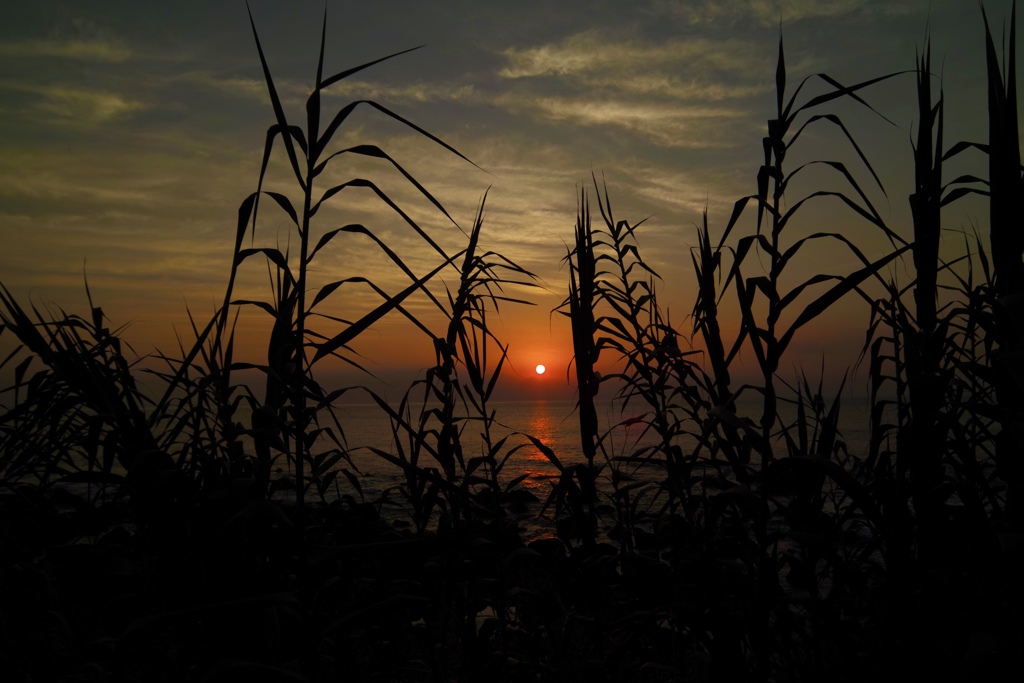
131, 132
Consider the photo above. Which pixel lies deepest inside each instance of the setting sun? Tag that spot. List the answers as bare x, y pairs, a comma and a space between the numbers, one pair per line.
541, 369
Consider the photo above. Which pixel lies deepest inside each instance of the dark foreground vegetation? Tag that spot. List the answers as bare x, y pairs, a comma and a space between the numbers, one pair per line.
150, 536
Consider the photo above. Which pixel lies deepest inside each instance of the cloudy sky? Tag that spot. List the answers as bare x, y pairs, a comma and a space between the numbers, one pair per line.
130, 133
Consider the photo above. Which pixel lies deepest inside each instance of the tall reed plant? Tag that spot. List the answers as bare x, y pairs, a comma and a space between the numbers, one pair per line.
296, 347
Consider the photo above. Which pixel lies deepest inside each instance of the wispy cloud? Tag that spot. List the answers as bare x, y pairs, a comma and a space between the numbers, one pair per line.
295, 92
414, 92
251, 88
595, 53
75, 105
668, 92
681, 89
670, 125
87, 107
88, 50
771, 12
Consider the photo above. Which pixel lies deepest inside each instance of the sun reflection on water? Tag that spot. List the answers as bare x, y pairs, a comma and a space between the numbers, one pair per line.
541, 425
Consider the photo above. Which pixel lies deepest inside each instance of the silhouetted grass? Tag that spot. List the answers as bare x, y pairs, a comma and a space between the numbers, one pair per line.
145, 535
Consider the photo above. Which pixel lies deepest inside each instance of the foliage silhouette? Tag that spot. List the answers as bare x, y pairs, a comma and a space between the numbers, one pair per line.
148, 534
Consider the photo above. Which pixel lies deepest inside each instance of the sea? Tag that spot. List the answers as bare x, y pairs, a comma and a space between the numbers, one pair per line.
368, 429
555, 424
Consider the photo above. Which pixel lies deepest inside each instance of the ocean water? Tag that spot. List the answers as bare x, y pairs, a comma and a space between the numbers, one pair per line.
555, 424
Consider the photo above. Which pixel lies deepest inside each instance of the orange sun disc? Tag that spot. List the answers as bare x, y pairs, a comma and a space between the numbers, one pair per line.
541, 369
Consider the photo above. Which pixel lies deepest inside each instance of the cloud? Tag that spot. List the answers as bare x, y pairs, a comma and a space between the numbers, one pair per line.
682, 193
594, 52
414, 92
663, 91
770, 12
86, 50
668, 92
680, 89
255, 88
671, 125
76, 106
295, 92
86, 107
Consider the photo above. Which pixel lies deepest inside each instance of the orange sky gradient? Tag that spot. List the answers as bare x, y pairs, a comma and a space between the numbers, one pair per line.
129, 136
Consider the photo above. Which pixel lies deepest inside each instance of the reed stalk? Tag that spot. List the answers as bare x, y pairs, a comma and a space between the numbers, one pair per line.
295, 347
924, 440
767, 338
1006, 219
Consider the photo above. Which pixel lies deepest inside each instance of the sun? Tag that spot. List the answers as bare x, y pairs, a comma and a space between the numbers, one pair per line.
541, 369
